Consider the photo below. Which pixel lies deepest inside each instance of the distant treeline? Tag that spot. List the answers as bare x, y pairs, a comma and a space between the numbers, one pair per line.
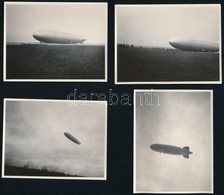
140, 46
127, 45
26, 171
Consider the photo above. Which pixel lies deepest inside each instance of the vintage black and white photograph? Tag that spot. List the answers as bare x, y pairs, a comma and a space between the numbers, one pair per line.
55, 41
54, 139
173, 141
163, 44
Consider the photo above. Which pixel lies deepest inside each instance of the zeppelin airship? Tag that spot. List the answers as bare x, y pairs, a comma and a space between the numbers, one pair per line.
72, 138
174, 150
193, 45
50, 36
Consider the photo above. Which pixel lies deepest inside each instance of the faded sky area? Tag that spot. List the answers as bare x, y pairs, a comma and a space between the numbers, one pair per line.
89, 20
181, 119
154, 25
34, 136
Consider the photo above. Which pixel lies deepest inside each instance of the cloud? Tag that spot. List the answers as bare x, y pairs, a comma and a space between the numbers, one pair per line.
154, 25
83, 19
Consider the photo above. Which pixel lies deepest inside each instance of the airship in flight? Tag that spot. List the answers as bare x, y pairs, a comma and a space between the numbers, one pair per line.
187, 44
174, 150
72, 138
50, 36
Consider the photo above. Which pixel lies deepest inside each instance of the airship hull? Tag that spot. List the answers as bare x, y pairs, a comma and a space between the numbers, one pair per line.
193, 45
169, 149
72, 138
48, 36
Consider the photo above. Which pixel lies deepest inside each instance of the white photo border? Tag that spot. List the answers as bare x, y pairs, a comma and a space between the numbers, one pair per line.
50, 177
165, 82
56, 80
134, 142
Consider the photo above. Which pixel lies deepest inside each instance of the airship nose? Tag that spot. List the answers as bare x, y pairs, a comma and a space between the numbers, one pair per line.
152, 146
36, 34
172, 40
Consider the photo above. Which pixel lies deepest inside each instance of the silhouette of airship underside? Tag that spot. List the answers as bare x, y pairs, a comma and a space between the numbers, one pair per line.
50, 36
72, 138
169, 149
193, 45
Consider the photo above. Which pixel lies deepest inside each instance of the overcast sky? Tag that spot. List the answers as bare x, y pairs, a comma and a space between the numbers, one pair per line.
181, 119
90, 20
34, 136
154, 25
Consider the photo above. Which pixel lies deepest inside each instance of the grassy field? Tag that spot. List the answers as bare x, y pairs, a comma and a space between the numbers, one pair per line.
36, 61
155, 65
24, 171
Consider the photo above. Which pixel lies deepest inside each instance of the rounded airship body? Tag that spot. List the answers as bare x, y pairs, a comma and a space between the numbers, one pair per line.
193, 45
169, 149
50, 36
72, 138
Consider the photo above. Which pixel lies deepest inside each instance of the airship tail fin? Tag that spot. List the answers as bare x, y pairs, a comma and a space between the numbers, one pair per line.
186, 148
186, 156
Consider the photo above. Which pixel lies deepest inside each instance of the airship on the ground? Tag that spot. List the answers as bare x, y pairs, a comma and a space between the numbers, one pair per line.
193, 45
50, 36
72, 138
174, 150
